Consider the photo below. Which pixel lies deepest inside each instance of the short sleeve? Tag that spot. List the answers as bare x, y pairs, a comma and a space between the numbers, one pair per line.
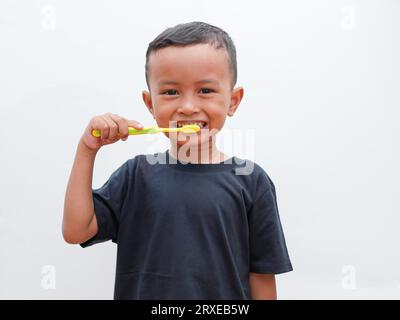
108, 203
268, 251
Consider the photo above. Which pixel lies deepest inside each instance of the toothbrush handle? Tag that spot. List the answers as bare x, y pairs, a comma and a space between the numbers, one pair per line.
145, 130
132, 131
153, 130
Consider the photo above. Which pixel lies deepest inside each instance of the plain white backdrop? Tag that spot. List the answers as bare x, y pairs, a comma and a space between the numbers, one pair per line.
322, 94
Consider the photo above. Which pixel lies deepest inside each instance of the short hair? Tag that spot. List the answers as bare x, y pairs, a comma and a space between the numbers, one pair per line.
192, 33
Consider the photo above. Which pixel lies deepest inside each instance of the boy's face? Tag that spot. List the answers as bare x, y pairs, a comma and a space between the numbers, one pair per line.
192, 84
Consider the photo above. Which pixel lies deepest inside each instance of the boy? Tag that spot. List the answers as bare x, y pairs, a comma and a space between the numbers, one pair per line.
189, 227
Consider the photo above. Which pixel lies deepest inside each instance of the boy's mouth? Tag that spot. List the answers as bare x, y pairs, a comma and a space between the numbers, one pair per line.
180, 123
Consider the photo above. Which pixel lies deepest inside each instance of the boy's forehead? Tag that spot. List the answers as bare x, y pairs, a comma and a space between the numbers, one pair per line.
189, 64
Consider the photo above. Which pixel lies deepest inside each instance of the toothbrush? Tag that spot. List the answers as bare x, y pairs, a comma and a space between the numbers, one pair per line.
145, 130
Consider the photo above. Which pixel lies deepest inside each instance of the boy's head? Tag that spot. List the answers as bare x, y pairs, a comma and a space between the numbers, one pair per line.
191, 73
193, 33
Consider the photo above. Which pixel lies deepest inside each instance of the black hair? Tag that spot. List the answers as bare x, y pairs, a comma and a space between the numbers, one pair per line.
194, 33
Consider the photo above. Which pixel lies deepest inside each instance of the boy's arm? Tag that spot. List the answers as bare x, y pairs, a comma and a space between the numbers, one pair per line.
79, 222
262, 286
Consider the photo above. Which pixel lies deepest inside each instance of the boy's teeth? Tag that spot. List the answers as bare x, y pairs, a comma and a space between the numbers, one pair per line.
200, 124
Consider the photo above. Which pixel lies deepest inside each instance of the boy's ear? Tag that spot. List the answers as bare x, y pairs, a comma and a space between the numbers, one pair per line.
236, 97
147, 101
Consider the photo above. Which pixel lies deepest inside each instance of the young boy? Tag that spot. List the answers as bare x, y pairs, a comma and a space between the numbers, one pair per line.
188, 223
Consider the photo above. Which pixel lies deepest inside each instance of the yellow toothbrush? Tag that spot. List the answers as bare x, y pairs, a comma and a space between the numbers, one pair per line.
132, 131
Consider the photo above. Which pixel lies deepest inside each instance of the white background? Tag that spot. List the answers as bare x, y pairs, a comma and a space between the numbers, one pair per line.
322, 87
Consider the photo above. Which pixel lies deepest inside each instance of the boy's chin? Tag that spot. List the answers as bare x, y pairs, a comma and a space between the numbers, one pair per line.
187, 140
203, 139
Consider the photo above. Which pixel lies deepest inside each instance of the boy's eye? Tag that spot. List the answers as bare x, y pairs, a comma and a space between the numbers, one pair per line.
206, 90
170, 92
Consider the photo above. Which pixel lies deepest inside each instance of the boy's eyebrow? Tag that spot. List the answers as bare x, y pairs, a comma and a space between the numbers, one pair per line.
160, 83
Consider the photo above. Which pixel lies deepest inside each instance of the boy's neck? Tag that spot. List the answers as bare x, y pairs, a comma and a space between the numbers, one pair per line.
200, 155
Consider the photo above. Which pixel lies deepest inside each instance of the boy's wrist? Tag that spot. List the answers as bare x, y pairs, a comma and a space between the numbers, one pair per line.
83, 149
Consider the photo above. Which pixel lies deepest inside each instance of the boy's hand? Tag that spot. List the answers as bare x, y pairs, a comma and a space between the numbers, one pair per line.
112, 127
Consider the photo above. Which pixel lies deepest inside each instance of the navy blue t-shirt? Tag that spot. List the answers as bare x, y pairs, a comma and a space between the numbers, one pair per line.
189, 231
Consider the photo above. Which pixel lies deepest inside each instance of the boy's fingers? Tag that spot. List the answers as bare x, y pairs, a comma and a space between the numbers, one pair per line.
113, 127
101, 124
135, 124
122, 126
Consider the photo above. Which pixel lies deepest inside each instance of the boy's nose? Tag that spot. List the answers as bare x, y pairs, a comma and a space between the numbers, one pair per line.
188, 107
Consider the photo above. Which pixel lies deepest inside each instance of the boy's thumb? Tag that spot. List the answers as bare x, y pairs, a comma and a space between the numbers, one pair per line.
135, 124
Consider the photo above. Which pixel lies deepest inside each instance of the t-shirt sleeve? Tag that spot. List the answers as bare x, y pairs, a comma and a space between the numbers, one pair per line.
268, 251
108, 202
